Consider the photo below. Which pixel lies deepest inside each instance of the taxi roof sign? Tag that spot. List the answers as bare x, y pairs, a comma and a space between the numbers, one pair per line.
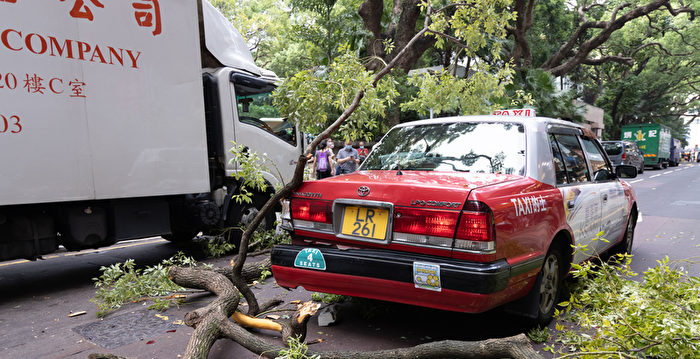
521, 112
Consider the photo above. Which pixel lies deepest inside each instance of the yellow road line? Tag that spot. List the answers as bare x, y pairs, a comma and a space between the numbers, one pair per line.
68, 254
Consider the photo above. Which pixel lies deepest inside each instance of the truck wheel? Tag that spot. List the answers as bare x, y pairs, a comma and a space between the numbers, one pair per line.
549, 283
628, 239
243, 214
664, 165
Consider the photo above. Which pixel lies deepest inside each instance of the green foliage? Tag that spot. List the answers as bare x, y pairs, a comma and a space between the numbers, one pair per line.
217, 246
536, 88
312, 99
296, 350
538, 334
616, 316
122, 283
444, 93
270, 237
249, 171
328, 298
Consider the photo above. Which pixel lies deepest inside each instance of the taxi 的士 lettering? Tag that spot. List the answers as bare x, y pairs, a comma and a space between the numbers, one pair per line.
47, 45
529, 205
430, 203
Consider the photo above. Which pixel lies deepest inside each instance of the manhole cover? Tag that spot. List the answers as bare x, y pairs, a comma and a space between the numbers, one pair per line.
124, 329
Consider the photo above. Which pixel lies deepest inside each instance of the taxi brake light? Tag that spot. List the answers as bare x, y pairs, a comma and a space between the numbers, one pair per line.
624, 156
475, 232
475, 226
425, 222
312, 210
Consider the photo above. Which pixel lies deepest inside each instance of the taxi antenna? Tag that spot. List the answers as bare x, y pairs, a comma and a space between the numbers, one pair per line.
398, 170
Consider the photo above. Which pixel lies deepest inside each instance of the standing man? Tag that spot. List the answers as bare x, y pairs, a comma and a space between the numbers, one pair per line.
362, 151
348, 158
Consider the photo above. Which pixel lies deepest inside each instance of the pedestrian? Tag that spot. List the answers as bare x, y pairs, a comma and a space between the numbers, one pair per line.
696, 153
322, 162
362, 151
329, 149
348, 158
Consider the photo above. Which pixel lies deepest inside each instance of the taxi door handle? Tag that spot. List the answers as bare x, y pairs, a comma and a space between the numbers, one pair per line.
605, 198
570, 204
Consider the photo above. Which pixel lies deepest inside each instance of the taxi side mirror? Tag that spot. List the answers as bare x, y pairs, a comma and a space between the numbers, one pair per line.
626, 171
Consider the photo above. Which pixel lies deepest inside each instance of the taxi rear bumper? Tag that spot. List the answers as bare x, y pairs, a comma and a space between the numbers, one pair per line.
388, 275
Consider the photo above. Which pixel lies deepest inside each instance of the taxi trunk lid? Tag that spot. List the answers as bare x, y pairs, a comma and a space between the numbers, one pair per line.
428, 189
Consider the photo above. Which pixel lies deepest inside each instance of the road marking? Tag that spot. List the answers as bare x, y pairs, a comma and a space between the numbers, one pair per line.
685, 203
667, 172
639, 218
105, 249
19, 261
635, 181
680, 169
655, 176
131, 243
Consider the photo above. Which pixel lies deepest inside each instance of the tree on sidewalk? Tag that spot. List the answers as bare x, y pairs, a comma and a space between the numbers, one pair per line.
361, 94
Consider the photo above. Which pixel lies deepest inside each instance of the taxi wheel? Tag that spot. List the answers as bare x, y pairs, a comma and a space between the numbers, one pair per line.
243, 214
626, 245
549, 283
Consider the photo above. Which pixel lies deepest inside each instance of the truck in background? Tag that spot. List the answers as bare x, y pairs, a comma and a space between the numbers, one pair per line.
653, 139
676, 149
116, 120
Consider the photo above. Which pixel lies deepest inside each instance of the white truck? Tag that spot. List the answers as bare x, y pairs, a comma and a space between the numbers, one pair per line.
116, 119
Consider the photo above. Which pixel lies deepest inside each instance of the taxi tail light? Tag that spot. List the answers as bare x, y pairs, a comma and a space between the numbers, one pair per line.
475, 231
624, 156
312, 210
425, 222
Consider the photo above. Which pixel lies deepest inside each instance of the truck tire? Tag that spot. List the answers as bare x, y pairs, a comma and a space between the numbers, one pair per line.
549, 283
243, 213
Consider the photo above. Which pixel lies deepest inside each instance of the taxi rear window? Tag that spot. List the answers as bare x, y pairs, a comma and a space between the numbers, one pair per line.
454, 147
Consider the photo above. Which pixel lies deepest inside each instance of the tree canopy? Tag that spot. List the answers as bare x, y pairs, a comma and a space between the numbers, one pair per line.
635, 59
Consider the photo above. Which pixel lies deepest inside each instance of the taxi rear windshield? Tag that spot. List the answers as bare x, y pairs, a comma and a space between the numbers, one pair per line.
457, 147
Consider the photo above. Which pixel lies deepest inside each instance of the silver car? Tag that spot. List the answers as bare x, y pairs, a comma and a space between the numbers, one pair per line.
624, 153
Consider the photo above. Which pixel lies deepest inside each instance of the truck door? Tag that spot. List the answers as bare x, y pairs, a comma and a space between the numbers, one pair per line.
258, 126
582, 199
612, 195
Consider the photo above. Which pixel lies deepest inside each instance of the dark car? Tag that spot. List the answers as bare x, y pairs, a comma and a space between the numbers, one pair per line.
624, 153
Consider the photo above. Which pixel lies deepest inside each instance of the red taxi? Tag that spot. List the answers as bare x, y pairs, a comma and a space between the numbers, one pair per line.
461, 213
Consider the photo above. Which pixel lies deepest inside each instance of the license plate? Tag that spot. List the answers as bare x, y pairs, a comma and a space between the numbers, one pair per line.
365, 222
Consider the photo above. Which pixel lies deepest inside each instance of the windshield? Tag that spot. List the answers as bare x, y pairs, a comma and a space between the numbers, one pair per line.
612, 148
258, 110
459, 147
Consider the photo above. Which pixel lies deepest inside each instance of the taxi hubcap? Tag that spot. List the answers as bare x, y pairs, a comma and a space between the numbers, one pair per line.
550, 280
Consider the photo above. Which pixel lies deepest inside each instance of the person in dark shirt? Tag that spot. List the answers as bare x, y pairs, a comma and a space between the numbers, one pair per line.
348, 158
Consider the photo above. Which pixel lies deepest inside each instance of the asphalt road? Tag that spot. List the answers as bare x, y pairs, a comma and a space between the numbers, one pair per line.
37, 297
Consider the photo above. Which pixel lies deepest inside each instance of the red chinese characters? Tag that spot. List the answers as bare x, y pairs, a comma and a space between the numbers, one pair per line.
147, 14
77, 88
82, 11
34, 84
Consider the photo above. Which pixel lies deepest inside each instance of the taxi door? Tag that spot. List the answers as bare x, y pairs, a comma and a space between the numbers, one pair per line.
612, 195
582, 197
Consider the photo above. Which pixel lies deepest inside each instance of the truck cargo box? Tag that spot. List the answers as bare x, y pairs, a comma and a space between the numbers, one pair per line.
100, 101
